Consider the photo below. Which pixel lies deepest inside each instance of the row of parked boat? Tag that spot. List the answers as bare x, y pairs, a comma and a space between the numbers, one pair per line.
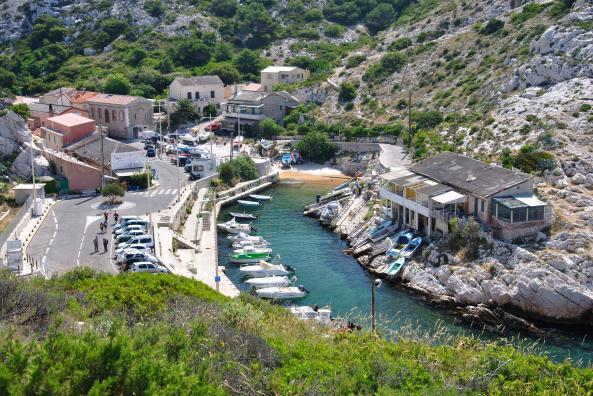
266, 276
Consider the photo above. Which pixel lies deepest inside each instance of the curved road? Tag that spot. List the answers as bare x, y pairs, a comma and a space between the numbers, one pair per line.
65, 239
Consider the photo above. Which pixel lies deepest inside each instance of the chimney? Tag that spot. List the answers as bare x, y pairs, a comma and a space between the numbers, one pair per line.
51, 110
470, 177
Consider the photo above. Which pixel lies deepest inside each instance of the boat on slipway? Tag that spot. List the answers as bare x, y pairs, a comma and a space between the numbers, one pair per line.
233, 227
282, 292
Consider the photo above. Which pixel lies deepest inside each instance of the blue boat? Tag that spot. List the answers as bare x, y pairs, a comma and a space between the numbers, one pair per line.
286, 159
395, 266
411, 247
243, 202
402, 240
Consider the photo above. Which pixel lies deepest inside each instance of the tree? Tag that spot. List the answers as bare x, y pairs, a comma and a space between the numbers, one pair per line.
191, 52
166, 65
113, 27
136, 56
380, 17
347, 92
117, 84
112, 191
184, 110
227, 72
246, 168
269, 128
248, 62
7, 78
223, 52
492, 26
315, 146
209, 110
21, 109
254, 25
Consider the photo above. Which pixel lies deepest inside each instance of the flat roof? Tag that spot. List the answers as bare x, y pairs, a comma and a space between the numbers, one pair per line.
275, 69
70, 119
28, 186
128, 172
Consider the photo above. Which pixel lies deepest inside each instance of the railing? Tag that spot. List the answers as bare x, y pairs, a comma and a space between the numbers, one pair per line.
16, 225
445, 216
247, 186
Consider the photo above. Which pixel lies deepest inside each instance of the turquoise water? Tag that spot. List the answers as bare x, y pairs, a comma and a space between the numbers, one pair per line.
337, 280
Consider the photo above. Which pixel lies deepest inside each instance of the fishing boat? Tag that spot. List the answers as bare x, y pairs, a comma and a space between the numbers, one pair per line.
401, 241
243, 236
270, 281
247, 203
282, 292
263, 269
394, 266
248, 257
243, 216
411, 247
253, 249
260, 197
307, 313
232, 227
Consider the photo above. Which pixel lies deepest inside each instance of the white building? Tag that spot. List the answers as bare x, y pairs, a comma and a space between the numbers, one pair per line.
201, 90
272, 75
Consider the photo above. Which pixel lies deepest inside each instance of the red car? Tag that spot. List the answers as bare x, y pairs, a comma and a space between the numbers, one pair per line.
215, 126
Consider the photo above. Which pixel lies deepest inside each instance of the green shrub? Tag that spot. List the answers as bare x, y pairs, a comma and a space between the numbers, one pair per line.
239, 169
585, 107
316, 147
390, 63
529, 11
269, 128
493, 26
354, 61
112, 191
400, 44
21, 109
347, 92
334, 30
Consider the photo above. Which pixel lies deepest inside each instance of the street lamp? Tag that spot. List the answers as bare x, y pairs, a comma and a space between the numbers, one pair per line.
148, 170
376, 283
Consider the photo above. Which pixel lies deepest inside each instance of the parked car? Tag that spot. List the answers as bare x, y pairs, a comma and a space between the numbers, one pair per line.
142, 239
130, 227
129, 235
136, 246
151, 152
127, 254
215, 126
145, 266
130, 222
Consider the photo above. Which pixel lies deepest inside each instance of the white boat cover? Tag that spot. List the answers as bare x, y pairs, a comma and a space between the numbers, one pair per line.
449, 197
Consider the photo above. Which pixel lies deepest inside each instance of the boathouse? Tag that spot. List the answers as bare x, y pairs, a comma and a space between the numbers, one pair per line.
433, 191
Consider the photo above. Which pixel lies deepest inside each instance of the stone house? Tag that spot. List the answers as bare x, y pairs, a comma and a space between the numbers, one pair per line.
201, 90
124, 116
272, 75
447, 186
250, 107
65, 129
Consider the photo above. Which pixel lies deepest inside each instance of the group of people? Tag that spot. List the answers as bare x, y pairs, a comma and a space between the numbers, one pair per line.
103, 228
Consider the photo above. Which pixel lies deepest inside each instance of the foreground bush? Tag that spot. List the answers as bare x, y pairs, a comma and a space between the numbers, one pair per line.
146, 334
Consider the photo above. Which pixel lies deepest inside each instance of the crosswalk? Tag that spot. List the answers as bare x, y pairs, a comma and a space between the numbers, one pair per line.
161, 191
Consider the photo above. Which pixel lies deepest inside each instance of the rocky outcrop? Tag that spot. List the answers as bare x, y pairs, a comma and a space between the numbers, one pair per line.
564, 51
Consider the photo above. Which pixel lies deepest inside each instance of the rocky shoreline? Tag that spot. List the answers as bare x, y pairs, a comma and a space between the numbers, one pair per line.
542, 283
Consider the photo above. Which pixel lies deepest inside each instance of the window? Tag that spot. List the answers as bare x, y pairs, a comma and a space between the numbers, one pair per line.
269, 76
196, 95
519, 215
106, 116
218, 105
100, 113
212, 94
481, 206
121, 115
211, 165
504, 213
92, 112
536, 213
189, 95
200, 168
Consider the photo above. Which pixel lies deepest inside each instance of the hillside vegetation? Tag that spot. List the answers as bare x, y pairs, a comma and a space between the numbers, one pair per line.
144, 334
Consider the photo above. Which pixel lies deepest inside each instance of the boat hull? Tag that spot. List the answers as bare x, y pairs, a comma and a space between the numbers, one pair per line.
249, 204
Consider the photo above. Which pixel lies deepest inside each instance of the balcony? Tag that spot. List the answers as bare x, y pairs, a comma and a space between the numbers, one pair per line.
407, 203
243, 116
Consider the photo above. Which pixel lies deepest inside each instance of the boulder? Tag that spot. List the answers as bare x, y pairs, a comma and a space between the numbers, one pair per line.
466, 290
561, 263
578, 179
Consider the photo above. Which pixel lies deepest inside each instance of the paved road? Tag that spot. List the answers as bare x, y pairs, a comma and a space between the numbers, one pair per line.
65, 239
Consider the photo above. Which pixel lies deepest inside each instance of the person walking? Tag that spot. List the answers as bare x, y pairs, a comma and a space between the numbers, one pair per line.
101, 228
96, 243
105, 243
116, 217
106, 215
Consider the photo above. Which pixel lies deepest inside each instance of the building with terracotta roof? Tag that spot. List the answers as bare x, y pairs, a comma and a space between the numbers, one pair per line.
124, 116
69, 97
65, 129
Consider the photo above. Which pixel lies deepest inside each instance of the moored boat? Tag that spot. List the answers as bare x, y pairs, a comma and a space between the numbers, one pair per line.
282, 292
248, 257
242, 244
270, 281
263, 268
243, 236
232, 227
260, 197
244, 202
253, 249
243, 216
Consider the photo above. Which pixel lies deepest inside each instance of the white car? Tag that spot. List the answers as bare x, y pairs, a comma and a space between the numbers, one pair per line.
143, 239
145, 266
129, 228
129, 235
137, 246
130, 222
127, 254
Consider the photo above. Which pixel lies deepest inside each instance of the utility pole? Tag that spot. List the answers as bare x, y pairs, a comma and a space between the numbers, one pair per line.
33, 178
101, 129
376, 283
148, 171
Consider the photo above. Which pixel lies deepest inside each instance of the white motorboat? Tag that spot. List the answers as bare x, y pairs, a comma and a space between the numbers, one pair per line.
245, 202
266, 144
330, 212
305, 312
242, 244
253, 249
282, 292
243, 216
242, 236
232, 227
270, 281
263, 269
260, 197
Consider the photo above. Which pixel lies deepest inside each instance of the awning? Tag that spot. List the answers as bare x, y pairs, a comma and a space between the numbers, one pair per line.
449, 197
128, 172
529, 200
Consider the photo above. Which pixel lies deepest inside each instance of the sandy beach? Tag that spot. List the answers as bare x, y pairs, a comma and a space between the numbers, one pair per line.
313, 173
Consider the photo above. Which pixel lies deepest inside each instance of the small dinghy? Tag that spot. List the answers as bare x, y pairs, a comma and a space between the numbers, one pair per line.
307, 313
263, 268
282, 293
394, 266
410, 248
401, 241
247, 203
243, 216
232, 227
270, 281
260, 197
